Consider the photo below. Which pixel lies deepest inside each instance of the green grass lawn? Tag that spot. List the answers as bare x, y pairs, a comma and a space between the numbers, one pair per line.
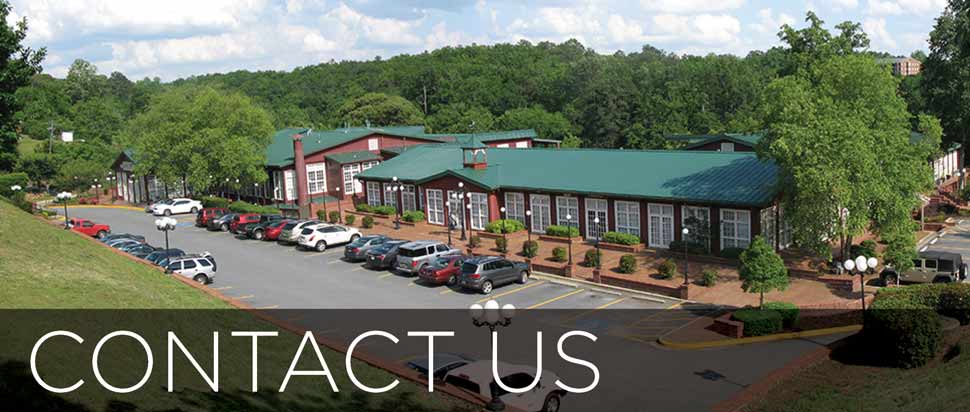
28, 145
45, 267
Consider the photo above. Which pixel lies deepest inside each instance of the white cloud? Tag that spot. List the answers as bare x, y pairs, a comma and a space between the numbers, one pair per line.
568, 20
896, 7
878, 34
703, 28
378, 30
843, 4
689, 6
623, 31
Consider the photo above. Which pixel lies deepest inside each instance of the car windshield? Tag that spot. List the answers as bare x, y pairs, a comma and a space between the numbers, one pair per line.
306, 231
289, 225
442, 262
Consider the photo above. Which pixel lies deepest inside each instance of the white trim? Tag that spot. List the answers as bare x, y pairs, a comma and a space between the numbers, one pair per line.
408, 198
740, 228
515, 206
373, 194
631, 213
688, 211
436, 207
522, 145
316, 178
544, 220
373, 144
567, 205
479, 212
289, 179
661, 230
390, 196
597, 208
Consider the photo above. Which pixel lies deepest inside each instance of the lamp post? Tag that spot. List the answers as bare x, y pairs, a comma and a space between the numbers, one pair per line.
505, 238
569, 226
492, 316
165, 224
340, 211
64, 197
393, 190
683, 238
459, 195
471, 231
860, 265
528, 224
596, 273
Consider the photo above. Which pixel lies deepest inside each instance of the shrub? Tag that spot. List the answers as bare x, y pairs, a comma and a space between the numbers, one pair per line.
364, 207
350, 219
731, 252
693, 248
334, 216
530, 248
667, 269
321, 216
246, 207
562, 231
935, 218
758, 322
592, 258
214, 201
964, 193
385, 210
413, 216
709, 278
19, 199
788, 312
867, 248
955, 302
621, 238
12, 179
367, 222
559, 254
903, 332
628, 264
504, 226
475, 241
502, 244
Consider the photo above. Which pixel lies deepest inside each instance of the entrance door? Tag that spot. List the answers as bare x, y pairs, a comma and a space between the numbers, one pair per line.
596, 208
661, 225
456, 210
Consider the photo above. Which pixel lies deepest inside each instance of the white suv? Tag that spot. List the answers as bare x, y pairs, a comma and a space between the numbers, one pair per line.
177, 206
322, 236
198, 268
476, 377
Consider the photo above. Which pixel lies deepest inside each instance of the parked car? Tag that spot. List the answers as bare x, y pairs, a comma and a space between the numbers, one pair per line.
443, 363
249, 228
221, 223
159, 255
195, 267
443, 271
414, 256
266, 231
128, 247
238, 225
205, 215
89, 228
177, 206
292, 235
142, 250
151, 206
323, 236
476, 377
484, 273
123, 243
117, 236
357, 250
384, 256
929, 267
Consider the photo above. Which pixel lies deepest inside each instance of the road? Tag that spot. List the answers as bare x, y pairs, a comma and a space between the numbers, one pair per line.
955, 239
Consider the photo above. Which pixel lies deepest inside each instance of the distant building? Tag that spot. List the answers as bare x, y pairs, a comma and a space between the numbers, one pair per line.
903, 66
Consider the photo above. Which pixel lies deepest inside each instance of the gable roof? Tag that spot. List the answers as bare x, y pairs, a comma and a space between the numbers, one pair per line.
698, 140
732, 178
352, 157
490, 136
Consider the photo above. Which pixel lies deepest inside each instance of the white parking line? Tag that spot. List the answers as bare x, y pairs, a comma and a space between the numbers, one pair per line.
933, 242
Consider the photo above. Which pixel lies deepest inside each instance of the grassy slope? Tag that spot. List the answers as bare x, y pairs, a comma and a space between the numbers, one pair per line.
43, 266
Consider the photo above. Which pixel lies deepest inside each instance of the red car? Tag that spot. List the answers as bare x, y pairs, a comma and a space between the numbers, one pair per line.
443, 271
238, 225
89, 228
207, 214
273, 229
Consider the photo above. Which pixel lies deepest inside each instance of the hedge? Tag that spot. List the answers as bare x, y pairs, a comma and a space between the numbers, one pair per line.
334, 216
903, 332
709, 278
559, 254
474, 241
759, 322
592, 258
214, 201
504, 226
530, 248
788, 312
562, 231
367, 222
12, 179
949, 299
867, 248
413, 216
385, 210
693, 248
628, 264
667, 269
349, 219
732, 252
246, 207
621, 238
502, 244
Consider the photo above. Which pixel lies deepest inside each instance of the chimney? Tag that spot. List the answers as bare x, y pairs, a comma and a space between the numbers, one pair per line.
299, 164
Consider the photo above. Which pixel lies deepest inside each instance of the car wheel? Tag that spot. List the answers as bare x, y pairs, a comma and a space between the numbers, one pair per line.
168, 212
224, 227
452, 280
321, 246
201, 279
552, 403
101, 234
523, 277
354, 238
195, 210
258, 235
487, 287
889, 279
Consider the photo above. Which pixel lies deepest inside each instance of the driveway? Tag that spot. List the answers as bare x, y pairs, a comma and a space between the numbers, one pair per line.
955, 239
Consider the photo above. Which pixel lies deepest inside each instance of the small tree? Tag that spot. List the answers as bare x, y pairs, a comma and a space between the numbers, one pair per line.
762, 270
334, 216
530, 248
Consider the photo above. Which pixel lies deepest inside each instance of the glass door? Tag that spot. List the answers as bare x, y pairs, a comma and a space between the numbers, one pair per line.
596, 208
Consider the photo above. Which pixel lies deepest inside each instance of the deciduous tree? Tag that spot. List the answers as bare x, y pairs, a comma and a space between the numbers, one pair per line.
762, 270
18, 63
380, 109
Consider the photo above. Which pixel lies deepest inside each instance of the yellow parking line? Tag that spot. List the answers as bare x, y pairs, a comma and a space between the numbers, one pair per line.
357, 269
490, 297
269, 307
384, 275
446, 291
611, 303
223, 288
245, 297
563, 296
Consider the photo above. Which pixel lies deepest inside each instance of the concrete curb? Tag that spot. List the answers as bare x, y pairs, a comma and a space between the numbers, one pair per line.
609, 289
926, 241
757, 339
106, 207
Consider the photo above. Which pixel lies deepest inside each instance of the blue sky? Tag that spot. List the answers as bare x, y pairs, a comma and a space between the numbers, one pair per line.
178, 38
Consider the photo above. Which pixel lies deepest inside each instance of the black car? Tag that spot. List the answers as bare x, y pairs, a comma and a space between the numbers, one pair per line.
161, 254
384, 256
221, 223
141, 250
264, 220
118, 236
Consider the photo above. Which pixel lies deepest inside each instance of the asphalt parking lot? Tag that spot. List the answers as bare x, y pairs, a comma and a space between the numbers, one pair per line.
955, 239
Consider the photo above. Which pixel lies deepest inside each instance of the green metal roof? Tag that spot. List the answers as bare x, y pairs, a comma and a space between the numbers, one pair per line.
490, 136
353, 157
733, 178
280, 150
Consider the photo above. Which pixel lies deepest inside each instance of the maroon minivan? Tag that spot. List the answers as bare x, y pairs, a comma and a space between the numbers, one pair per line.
207, 214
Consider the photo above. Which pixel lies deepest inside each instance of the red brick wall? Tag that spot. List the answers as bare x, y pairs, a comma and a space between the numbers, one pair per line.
447, 183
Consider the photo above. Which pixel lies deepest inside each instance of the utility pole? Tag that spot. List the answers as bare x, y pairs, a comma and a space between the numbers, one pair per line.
50, 141
425, 88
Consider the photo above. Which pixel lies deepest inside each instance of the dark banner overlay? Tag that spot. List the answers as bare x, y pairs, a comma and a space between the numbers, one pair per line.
602, 360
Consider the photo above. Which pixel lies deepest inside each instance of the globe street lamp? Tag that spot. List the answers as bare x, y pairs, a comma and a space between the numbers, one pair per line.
684, 232
528, 224
596, 273
459, 195
340, 211
165, 224
392, 190
505, 238
569, 227
15, 188
64, 197
471, 231
861, 264
492, 316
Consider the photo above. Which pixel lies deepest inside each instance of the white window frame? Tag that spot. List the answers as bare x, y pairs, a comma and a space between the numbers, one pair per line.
479, 210
522, 145
390, 196
627, 217
727, 147
436, 207
688, 211
316, 178
373, 193
456, 205
373, 144
349, 172
408, 198
503, 146
515, 206
739, 223
596, 207
660, 224
540, 205
289, 179
567, 205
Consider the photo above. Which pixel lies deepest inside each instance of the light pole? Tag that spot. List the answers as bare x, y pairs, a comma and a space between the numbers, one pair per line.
492, 316
861, 264
64, 197
683, 239
393, 190
505, 238
340, 211
471, 232
569, 225
165, 224
528, 224
460, 197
